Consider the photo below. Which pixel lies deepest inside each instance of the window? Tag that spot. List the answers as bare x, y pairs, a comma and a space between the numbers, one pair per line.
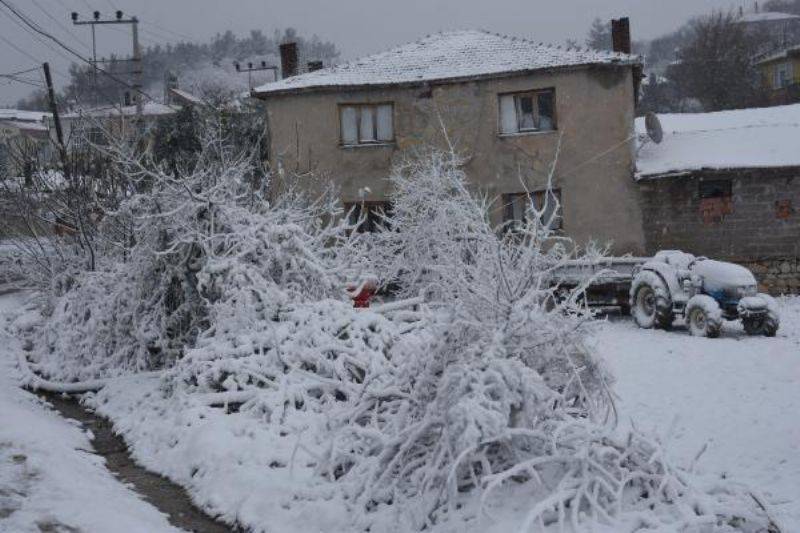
366, 124
528, 112
715, 189
783, 75
373, 213
548, 202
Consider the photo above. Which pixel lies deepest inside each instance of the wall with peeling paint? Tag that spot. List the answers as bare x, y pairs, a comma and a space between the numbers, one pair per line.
594, 110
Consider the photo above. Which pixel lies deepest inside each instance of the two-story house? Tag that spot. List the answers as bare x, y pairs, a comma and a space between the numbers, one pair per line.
507, 105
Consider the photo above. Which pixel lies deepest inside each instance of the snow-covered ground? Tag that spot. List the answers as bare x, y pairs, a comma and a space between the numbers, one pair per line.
738, 395
48, 479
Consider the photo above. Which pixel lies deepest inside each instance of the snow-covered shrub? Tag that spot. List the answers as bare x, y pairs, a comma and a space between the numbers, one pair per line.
205, 254
496, 387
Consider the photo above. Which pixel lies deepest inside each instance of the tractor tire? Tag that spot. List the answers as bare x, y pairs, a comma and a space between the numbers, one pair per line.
766, 325
651, 304
703, 316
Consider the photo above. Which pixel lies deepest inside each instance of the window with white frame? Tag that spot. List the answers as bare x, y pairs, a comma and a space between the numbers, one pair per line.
547, 203
530, 111
366, 124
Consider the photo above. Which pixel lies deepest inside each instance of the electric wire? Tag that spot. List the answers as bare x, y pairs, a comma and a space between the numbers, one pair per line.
36, 28
60, 25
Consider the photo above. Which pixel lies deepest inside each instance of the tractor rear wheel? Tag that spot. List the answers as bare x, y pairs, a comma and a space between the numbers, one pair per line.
651, 304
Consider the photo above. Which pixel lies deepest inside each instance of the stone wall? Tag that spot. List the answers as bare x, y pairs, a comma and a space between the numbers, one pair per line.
777, 276
758, 225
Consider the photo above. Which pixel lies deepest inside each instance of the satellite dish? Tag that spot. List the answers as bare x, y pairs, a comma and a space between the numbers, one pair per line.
654, 129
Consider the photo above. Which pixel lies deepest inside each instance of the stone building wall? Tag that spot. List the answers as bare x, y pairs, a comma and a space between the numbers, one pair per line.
758, 225
594, 170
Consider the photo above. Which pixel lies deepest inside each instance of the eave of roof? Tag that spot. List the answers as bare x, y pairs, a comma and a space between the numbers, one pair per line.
450, 80
704, 172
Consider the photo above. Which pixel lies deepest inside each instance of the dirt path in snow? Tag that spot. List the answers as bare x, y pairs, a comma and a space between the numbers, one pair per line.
160, 492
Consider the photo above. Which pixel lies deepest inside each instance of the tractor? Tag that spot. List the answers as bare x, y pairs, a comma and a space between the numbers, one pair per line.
704, 291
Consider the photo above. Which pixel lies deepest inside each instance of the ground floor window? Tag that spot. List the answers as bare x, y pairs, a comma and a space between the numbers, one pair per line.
546, 202
373, 213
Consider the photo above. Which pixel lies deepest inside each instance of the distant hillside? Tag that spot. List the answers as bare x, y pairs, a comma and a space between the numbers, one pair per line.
200, 67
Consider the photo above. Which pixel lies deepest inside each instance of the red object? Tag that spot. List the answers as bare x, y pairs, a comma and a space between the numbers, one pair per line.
361, 300
361, 297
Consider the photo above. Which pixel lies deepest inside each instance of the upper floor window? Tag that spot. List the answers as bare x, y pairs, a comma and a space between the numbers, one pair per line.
366, 123
528, 112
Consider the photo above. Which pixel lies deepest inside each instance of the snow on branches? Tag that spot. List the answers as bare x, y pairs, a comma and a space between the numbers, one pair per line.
478, 384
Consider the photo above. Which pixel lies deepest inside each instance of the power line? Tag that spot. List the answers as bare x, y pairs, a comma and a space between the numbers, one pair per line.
20, 72
38, 39
60, 25
35, 27
168, 31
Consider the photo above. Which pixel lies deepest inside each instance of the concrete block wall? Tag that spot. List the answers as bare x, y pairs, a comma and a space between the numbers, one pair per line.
758, 226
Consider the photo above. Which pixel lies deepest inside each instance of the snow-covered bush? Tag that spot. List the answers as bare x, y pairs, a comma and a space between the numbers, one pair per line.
478, 384
204, 252
496, 386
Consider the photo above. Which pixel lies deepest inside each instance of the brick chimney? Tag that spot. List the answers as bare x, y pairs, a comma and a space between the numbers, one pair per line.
621, 35
288, 59
314, 65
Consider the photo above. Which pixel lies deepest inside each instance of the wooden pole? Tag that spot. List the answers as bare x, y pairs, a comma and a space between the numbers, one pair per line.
62, 150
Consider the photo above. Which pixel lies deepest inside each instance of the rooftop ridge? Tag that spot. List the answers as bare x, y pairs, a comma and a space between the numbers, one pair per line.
448, 54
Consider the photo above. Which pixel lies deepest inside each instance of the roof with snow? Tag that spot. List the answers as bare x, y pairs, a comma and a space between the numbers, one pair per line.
448, 56
767, 16
24, 125
149, 109
784, 53
23, 116
742, 139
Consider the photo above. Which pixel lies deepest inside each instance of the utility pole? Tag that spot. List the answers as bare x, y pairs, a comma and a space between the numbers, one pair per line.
137, 52
250, 69
62, 150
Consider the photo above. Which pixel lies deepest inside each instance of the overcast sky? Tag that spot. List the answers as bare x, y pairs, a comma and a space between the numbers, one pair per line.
358, 27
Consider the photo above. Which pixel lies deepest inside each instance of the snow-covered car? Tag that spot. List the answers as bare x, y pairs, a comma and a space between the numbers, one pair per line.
704, 291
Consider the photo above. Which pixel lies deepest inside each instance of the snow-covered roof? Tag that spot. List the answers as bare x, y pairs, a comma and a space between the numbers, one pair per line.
444, 56
742, 139
150, 109
780, 54
187, 97
767, 16
24, 125
24, 116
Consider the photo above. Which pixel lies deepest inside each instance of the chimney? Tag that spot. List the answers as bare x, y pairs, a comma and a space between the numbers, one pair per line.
621, 35
314, 65
288, 59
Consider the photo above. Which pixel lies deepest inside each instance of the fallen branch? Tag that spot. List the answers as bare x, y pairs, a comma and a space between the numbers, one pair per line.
33, 381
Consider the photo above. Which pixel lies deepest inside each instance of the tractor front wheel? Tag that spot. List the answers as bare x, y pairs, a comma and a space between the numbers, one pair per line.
703, 316
766, 325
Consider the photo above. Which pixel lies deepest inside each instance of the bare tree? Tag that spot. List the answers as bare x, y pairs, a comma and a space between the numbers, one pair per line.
716, 65
599, 36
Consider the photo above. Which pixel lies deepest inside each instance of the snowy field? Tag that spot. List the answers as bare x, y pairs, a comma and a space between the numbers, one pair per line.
48, 479
737, 398
737, 395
